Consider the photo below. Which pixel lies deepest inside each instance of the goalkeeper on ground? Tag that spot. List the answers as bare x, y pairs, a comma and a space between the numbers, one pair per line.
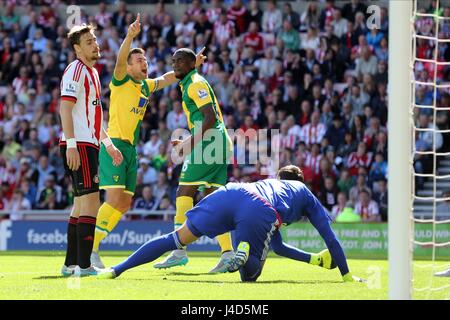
255, 211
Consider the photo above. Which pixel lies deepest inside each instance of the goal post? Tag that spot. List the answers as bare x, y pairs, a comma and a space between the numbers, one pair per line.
400, 150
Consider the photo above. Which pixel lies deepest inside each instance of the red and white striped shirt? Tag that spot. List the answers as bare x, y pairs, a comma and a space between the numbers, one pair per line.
81, 85
354, 162
313, 162
223, 32
281, 142
367, 211
311, 134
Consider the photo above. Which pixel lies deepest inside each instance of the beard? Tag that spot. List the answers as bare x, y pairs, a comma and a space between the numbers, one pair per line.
95, 57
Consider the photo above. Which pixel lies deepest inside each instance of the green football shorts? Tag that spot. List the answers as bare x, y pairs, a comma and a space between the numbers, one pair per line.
123, 176
205, 165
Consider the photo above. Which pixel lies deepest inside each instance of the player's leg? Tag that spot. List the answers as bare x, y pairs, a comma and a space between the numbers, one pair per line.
184, 203
256, 226
152, 250
119, 183
89, 205
86, 204
225, 244
445, 273
72, 244
117, 203
252, 269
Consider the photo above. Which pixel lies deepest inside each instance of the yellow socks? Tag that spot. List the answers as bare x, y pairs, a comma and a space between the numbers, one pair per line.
183, 205
225, 242
107, 219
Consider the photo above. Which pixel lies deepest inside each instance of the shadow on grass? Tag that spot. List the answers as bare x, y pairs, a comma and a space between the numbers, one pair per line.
306, 282
50, 277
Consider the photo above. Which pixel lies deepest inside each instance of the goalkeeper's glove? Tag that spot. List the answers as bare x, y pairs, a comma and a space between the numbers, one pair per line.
348, 277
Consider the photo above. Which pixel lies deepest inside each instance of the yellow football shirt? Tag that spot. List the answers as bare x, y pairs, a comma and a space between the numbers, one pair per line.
128, 102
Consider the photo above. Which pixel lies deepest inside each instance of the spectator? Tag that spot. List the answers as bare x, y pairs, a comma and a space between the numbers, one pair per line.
213, 12
146, 174
151, 148
161, 187
345, 182
381, 197
378, 170
310, 17
176, 118
336, 132
10, 148
253, 39
367, 208
350, 9
289, 36
238, 13
272, 18
339, 206
314, 131
339, 24
361, 184
17, 204
329, 193
45, 170
146, 202
49, 195
366, 64
290, 15
358, 159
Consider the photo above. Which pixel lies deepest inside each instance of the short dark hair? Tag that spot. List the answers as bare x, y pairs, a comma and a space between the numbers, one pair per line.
134, 51
76, 32
188, 53
291, 172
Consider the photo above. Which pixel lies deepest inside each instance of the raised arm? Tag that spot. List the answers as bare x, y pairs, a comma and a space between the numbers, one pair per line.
120, 70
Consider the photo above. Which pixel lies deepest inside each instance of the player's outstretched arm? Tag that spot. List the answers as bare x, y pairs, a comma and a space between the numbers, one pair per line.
169, 78
319, 218
120, 70
72, 155
283, 249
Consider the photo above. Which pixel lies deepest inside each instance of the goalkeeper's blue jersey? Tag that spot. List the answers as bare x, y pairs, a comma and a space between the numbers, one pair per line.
291, 199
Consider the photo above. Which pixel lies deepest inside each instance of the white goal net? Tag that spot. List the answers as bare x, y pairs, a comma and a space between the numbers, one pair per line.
430, 112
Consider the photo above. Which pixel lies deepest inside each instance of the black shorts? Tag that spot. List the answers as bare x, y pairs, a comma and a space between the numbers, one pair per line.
85, 180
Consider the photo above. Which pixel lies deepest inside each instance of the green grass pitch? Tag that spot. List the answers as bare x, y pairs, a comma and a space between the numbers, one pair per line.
35, 275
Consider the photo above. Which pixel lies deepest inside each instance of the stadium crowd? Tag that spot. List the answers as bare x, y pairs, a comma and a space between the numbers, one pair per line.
319, 76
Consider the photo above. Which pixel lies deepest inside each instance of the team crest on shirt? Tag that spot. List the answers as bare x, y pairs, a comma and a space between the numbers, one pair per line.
202, 93
96, 179
116, 178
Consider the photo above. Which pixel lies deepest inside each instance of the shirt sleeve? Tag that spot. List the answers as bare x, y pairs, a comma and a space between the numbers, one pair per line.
199, 93
153, 84
71, 83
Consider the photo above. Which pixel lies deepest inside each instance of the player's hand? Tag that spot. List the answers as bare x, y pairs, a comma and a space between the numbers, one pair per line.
135, 27
351, 278
115, 154
176, 142
73, 158
200, 58
182, 148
